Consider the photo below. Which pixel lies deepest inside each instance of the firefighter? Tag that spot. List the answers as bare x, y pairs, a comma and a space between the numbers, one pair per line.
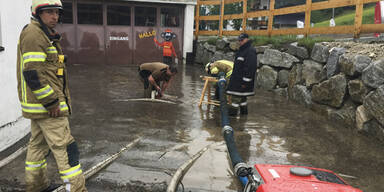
44, 97
242, 80
215, 67
168, 48
156, 77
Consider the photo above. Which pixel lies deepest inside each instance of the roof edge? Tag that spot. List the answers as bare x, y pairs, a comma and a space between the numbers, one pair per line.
162, 1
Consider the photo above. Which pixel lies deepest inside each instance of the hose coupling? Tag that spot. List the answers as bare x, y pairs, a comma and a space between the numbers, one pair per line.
227, 128
241, 169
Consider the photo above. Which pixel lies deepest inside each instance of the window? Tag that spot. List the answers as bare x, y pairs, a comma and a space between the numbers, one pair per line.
118, 15
90, 14
170, 17
145, 16
67, 16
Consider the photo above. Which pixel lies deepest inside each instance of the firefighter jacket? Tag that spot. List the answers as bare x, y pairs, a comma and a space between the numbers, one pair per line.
168, 48
41, 74
223, 66
157, 70
244, 71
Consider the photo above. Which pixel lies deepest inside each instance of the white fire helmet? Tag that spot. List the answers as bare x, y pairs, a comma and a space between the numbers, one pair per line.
38, 5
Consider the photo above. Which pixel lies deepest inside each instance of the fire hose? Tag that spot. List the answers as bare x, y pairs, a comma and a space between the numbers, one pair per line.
241, 170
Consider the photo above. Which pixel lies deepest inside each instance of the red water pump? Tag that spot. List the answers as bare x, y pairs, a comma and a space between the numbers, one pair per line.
289, 178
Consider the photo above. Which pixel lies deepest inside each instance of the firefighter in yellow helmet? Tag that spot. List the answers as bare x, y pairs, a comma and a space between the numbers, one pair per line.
215, 67
44, 97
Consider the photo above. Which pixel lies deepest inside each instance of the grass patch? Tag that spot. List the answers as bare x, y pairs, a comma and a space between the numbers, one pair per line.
280, 41
349, 18
310, 42
212, 41
275, 41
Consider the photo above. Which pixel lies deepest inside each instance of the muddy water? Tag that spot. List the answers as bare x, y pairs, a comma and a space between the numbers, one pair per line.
276, 131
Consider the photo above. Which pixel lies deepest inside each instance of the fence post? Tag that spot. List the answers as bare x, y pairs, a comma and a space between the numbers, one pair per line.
307, 24
358, 18
270, 17
221, 18
244, 24
197, 19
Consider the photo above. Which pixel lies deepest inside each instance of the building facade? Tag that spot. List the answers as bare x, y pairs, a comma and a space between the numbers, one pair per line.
122, 32
13, 17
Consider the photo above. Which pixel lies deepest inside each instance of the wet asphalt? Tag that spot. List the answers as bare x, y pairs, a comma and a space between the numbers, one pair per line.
106, 117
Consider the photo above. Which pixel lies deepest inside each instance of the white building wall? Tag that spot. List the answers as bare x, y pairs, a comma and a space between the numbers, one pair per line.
188, 29
14, 15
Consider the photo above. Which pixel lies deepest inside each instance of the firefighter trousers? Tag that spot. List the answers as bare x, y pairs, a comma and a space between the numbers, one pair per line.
52, 134
238, 102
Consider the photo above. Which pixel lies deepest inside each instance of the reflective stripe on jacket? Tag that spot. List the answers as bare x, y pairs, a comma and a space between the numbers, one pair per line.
223, 66
41, 74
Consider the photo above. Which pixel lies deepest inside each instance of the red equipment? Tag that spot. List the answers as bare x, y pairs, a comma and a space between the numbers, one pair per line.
288, 178
379, 14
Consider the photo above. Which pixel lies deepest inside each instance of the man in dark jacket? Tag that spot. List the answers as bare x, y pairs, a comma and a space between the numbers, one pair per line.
242, 80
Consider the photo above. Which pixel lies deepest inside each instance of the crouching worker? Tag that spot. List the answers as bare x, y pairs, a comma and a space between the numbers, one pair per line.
156, 77
216, 67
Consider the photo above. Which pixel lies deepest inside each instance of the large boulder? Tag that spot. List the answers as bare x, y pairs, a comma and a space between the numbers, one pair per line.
353, 65
206, 57
373, 128
345, 115
276, 58
209, 47
374, 104
282, 79
199, 53
266, 78
281, 92
301, 95
204, 53
219, 55
222, 43
333, 67
298, 51
258, 60
312, 72
331, 92
373, 75
357, 90
362, 117
320, 53
295, 77
261, 49
234, 46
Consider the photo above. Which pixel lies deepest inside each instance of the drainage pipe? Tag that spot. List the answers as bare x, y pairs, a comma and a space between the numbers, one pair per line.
95, 169
179, 174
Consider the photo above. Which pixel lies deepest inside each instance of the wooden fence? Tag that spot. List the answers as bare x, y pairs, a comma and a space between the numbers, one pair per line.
355, 29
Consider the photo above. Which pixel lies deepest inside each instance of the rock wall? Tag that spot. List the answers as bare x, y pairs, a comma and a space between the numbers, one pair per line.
344, 86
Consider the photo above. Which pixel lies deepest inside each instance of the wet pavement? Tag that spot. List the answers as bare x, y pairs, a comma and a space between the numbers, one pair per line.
276, 131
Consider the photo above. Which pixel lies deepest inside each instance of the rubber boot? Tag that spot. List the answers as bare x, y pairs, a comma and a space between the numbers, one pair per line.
232, 111
243, 110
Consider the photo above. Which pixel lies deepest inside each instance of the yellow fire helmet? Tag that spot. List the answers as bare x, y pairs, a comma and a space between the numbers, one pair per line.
38, 5
215, 71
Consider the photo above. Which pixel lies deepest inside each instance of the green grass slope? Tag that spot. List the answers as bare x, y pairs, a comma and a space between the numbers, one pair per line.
349, 18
